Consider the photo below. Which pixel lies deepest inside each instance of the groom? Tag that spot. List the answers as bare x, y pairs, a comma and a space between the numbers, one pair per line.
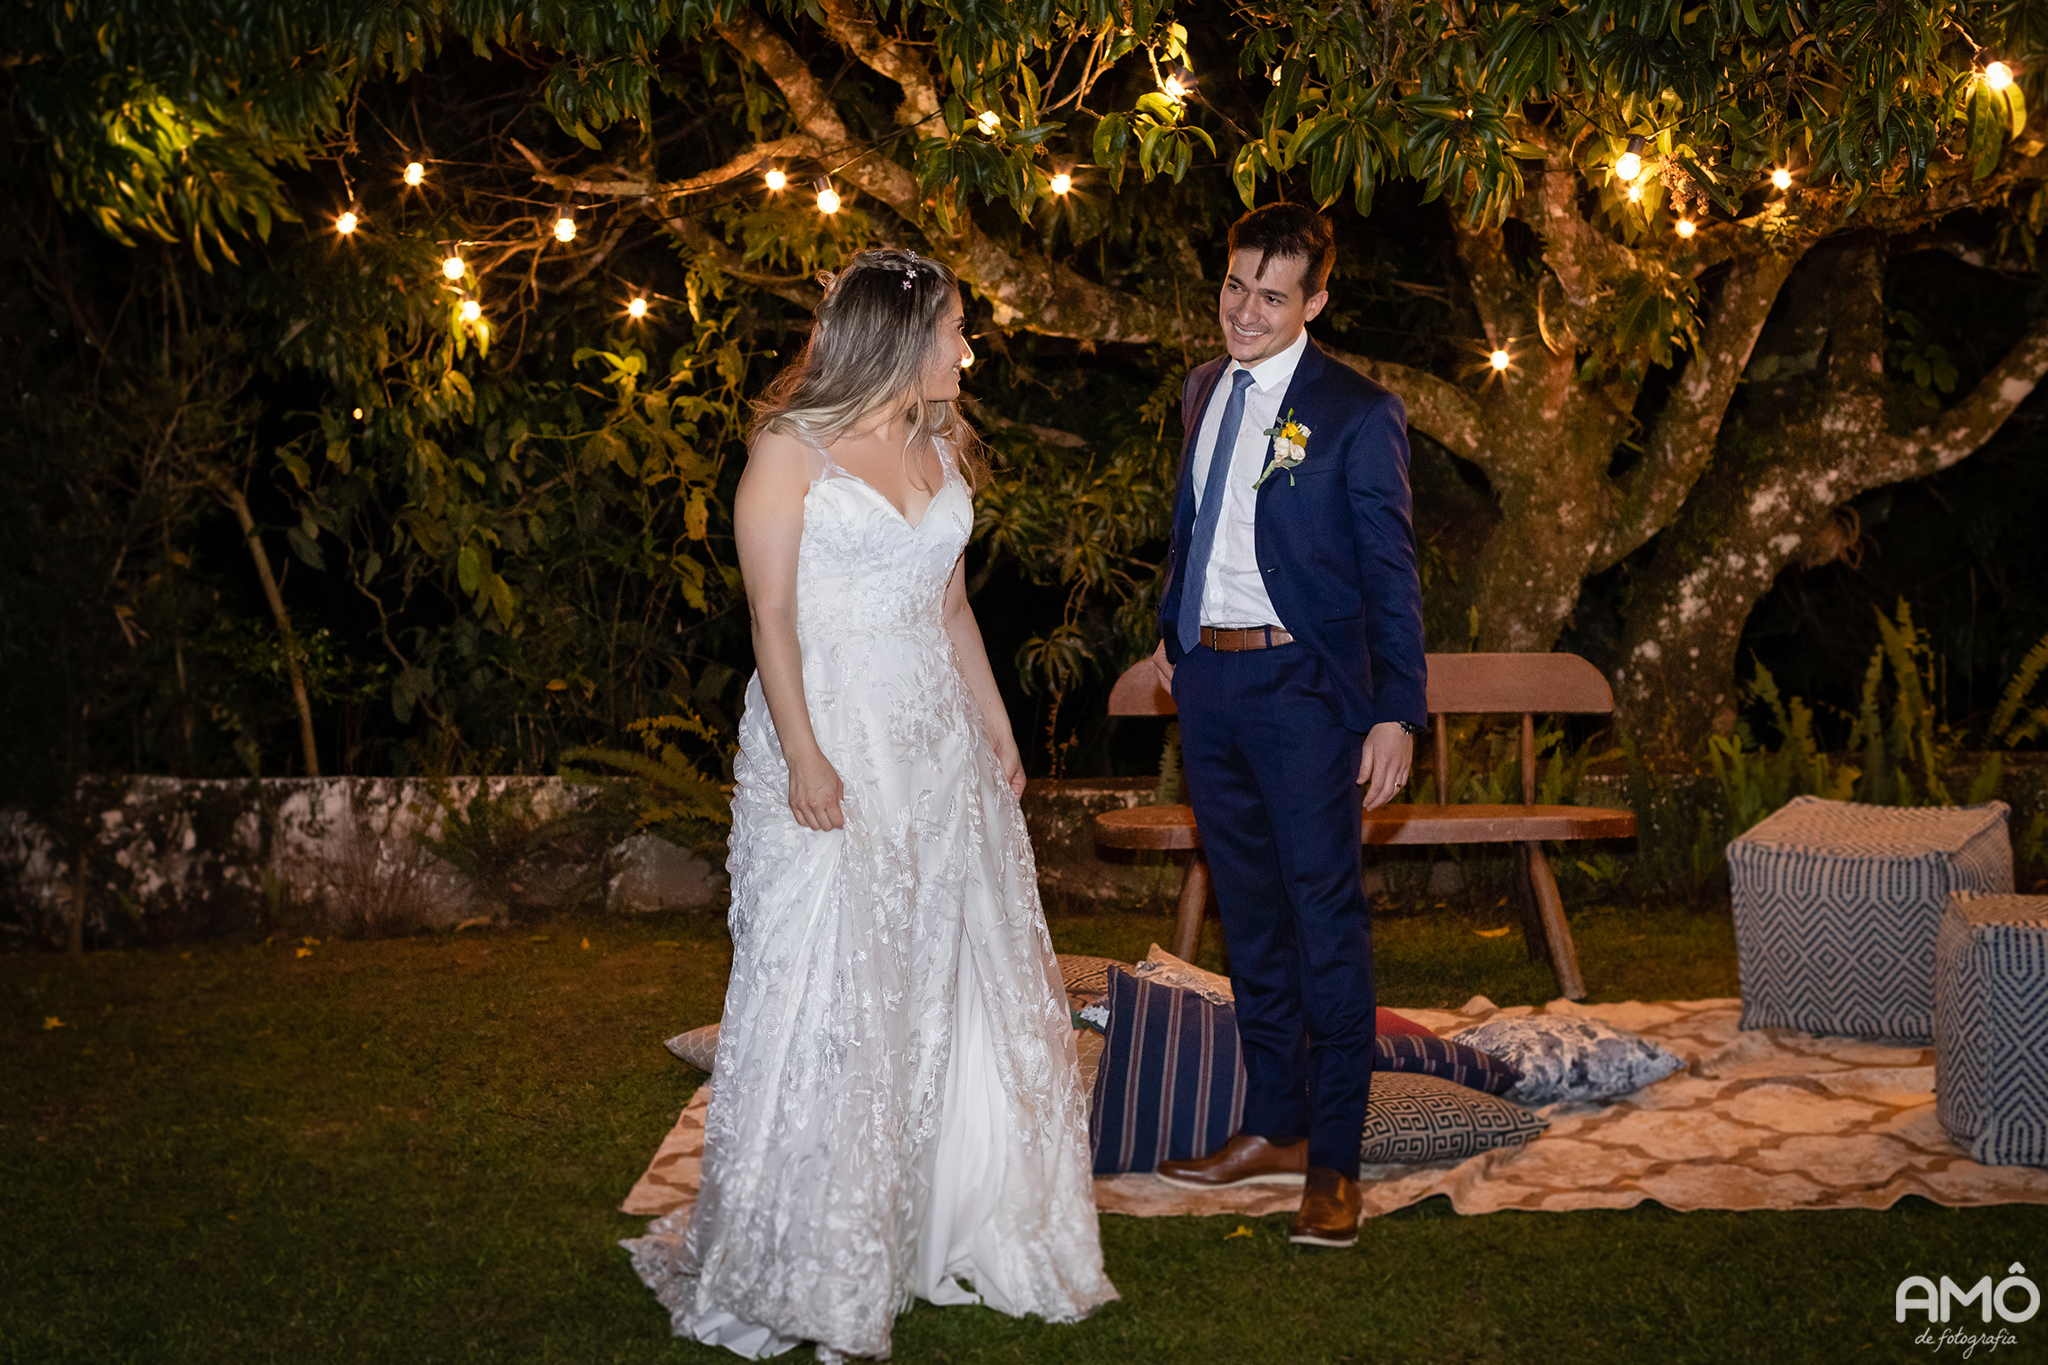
1293, 645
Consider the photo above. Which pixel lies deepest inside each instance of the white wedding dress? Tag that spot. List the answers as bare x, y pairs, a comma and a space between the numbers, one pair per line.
896, 1108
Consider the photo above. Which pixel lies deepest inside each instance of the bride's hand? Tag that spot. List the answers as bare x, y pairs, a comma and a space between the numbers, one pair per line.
815, 792
1013, 764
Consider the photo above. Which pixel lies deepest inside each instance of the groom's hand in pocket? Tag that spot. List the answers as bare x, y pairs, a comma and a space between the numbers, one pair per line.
815, 792
1383, 767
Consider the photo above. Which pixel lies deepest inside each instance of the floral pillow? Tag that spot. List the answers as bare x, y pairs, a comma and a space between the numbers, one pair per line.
1567, 1058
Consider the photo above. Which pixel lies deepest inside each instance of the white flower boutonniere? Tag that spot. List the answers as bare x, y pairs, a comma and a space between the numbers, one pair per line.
1290, 447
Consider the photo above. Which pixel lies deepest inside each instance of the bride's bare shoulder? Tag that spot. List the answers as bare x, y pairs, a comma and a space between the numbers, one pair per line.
778, 460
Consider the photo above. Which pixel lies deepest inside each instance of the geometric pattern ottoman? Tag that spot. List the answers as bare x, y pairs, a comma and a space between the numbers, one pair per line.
1837, 906
1991, 1028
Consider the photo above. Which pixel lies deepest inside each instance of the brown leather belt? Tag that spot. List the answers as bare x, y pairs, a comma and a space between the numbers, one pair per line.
1255, 637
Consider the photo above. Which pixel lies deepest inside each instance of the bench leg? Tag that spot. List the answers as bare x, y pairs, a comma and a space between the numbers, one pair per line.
1533, 932
1564, 955
1194, 898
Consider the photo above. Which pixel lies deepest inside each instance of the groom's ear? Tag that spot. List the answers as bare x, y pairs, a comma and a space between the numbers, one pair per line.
1314, 306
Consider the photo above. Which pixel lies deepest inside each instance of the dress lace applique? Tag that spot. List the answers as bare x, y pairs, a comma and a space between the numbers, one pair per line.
897, 1109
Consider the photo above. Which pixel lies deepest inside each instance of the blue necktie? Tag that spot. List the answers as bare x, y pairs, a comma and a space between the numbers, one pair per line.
1194, 574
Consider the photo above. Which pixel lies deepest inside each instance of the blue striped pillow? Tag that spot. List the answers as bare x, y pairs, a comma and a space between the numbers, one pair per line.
1453, 1062
1171, 1083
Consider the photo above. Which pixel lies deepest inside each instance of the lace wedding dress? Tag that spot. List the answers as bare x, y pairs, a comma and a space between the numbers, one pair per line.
895, 1104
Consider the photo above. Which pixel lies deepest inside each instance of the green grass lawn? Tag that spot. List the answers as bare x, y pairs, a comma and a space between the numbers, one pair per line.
412, 1151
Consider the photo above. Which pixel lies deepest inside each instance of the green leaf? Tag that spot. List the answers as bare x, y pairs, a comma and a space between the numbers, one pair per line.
468, 568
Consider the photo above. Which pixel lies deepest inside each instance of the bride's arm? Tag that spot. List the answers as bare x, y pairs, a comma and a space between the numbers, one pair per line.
981, 680
768, 526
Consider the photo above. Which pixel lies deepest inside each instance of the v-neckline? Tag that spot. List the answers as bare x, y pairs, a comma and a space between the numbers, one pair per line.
945, 479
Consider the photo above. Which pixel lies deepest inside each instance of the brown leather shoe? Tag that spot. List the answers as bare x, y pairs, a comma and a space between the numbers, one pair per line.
1244, 1160
1330, 1210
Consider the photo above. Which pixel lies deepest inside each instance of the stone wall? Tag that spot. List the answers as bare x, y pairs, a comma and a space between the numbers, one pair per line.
173, 860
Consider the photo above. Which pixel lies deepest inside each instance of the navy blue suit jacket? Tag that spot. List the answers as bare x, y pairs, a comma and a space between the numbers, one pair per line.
1336, 542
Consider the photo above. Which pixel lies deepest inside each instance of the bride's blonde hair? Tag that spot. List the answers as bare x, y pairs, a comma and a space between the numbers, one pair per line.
876, 332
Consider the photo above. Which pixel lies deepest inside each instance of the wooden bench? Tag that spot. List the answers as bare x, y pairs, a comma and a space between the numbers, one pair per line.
1459, 684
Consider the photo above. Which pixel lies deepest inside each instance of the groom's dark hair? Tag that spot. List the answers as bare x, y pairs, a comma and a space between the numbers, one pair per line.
1295, 231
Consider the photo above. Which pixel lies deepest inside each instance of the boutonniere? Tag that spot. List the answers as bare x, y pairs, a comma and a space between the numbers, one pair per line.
1290, 447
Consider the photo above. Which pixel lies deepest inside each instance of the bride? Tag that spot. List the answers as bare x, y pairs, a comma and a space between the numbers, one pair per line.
896, 1109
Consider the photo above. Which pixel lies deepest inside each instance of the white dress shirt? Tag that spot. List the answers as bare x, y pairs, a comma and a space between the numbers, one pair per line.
1235, 595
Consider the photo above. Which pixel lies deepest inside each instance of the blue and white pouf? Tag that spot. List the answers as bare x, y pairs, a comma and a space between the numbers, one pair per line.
1991, 1027
1837, 904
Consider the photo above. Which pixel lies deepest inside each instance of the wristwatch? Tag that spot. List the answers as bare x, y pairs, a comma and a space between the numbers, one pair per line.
1412, 728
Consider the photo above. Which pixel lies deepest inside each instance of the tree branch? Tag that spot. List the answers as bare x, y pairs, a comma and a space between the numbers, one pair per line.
1436, 407
854, 28
1964, 428
1680, 443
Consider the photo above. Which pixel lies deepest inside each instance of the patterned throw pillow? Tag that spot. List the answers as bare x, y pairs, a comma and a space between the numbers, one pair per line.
1429, 1055
1171, 1081
697, 1047
1426, 1118
1564, 1058
1086, 978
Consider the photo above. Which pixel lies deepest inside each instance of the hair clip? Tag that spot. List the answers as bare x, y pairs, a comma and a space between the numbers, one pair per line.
910, 277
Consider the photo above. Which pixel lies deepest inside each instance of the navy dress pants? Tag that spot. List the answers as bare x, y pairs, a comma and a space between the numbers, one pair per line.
1273, 778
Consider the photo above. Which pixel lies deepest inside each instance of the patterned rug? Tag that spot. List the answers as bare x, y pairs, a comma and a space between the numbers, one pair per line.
1771, 1119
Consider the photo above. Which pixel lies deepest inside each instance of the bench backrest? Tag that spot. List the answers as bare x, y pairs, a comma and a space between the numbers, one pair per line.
1459, 684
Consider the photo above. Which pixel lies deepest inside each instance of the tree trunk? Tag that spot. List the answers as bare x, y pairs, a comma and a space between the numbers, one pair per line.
232, 496
1805, 448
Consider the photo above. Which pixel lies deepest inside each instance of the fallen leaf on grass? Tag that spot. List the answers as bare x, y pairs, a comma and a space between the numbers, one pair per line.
538, 938
1242, 1231
666, 943
304, 952
474, 922
310, 942
1491, 933
586, 945
51, 1021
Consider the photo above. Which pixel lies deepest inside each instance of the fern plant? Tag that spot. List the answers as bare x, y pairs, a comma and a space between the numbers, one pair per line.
662, 788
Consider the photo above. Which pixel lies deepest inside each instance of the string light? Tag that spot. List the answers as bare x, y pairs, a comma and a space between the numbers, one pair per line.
1635, 194
1629, 164
345, 224
828, 198
1686, 227
775, 180
637, 308
1500, 360
565, 229
1998, 76
1062, 182
991, 122
415, 174
453, 267
471, 310
359, 414
1174, 88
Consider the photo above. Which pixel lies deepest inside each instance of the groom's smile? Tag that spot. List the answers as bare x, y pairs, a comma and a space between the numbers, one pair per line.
1262, 307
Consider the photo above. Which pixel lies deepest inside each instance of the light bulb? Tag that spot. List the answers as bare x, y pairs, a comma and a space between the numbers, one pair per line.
991, 122
1173, 89
1627, 166
345, 224
471, 310
453, 268
359, 414
1781, 178
1635, 194
828, 200
776, 180
565, 229
415, 174
1499, 360
1062, 182
1686, 227
1998, 76
637, 308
